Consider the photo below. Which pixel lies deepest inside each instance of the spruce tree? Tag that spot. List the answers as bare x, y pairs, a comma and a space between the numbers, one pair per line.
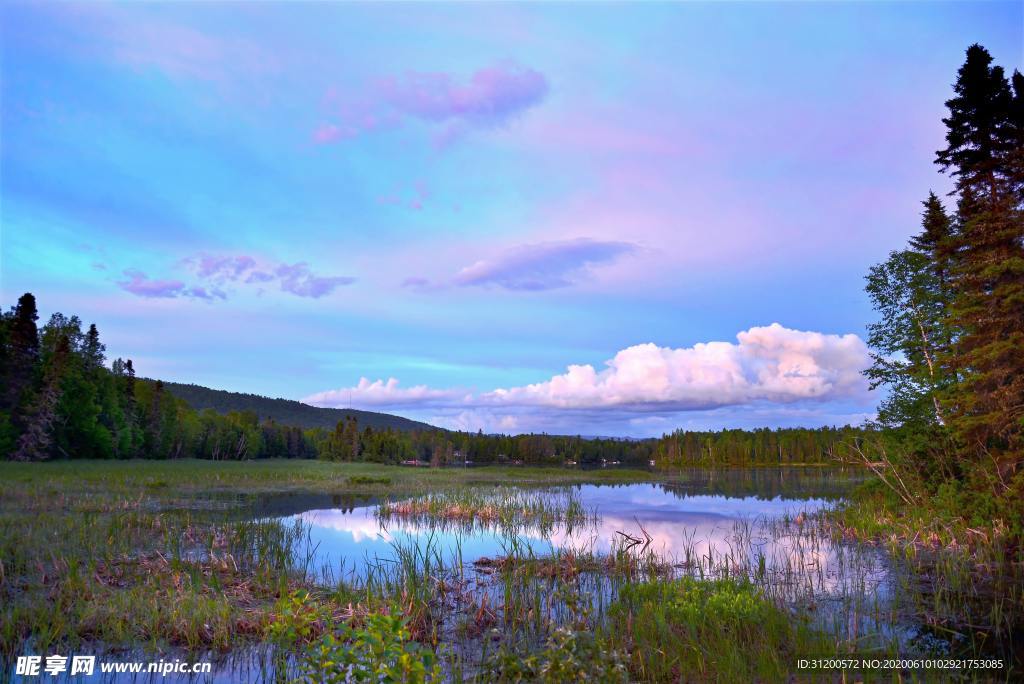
978, 128
36, 441
987, 312
22, 351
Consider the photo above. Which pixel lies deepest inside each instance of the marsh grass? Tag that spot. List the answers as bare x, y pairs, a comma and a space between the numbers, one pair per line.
508, 509
151, 556
722, 629
960, 581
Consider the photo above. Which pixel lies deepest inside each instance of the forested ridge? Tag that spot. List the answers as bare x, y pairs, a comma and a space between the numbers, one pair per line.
62, 400
285, 411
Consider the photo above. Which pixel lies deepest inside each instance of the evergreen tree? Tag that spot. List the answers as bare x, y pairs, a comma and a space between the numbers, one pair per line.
979, 133
36, 441
21, 353
93, 349
987, 312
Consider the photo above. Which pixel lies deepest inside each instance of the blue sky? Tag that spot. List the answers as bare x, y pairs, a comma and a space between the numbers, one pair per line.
453, 211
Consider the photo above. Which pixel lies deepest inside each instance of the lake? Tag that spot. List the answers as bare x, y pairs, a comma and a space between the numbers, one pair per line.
756, 523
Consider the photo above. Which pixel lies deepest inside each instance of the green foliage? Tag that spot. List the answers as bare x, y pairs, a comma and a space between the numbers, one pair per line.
299, 619
379, 649
368, 480
723, 628
568, 655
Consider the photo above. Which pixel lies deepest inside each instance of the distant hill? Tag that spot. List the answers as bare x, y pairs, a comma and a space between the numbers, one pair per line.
286, 411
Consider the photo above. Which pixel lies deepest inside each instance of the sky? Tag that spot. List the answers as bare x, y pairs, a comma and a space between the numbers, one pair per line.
598, 219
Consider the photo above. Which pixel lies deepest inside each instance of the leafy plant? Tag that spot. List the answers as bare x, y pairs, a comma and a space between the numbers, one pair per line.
379, 650
569, 655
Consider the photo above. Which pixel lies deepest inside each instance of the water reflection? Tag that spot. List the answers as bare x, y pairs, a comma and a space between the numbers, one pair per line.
693, 531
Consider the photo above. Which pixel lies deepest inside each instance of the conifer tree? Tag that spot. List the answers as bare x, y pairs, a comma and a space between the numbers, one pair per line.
22, 353
987, 311
36, 441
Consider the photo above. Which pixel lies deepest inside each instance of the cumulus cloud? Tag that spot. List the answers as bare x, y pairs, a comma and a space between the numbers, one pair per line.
542, 266
769, 370
492, 96
770, 363
379, 393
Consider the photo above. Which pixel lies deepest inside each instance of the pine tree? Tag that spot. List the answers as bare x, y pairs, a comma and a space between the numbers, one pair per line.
978, 136
22, 351
987, 311
36, 442
93, 349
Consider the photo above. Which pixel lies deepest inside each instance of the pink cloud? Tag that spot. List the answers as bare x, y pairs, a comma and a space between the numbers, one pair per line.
216, 272
328, 133
141, 286
492, 96
542, 266
299, 280
202, 293
224, 267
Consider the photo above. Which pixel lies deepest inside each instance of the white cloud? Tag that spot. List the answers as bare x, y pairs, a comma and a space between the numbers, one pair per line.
770, 363
379, 393
769, 370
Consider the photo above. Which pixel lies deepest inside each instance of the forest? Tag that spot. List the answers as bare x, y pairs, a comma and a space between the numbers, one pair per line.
62, 400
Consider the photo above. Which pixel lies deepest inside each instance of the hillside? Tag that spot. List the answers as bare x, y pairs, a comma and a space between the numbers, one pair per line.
286, 411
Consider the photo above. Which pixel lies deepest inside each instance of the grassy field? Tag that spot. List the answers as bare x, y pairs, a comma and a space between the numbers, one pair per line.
177, 555
20, 483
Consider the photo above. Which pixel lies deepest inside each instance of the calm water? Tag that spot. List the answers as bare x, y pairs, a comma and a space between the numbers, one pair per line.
704, 522
675, 521
698, 519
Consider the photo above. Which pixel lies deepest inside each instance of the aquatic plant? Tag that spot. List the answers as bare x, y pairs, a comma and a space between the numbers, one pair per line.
722, 628
375, 647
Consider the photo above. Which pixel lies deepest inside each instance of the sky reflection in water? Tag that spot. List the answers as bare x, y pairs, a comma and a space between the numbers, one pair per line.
347, 539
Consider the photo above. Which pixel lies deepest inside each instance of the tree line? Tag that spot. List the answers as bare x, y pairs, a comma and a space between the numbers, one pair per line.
949, 343
60, 399
784, 446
